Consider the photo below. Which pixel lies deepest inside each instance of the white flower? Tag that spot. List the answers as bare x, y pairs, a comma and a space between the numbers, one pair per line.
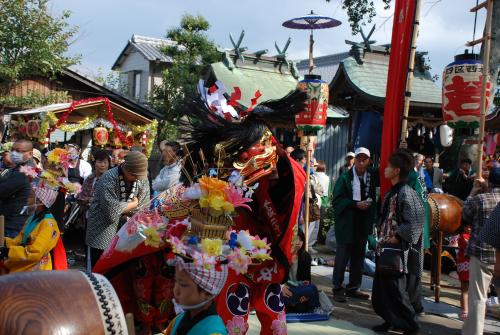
194, 192
244, 240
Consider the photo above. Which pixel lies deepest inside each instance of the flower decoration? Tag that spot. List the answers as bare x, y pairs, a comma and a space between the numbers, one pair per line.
58, 157
279, 326
203, 260
239, 260
153, 238
237, 326
31, 172
212, 247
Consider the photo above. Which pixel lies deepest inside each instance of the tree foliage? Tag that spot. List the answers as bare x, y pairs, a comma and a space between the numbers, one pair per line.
32, 41
361, 12
191, 55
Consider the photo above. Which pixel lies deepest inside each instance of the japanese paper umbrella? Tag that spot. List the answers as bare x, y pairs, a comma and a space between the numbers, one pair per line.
311, 21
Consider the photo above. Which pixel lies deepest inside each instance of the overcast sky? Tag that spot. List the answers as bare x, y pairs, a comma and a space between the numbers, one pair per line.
107, 25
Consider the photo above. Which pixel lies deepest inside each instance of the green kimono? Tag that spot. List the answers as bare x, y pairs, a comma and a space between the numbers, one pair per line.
419, 186
344, 207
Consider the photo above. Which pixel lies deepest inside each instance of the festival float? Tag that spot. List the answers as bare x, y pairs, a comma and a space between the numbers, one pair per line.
97, 122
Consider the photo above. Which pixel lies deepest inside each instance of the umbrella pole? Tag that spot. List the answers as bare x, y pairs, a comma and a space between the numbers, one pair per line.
486, 70
311, 45
308, 190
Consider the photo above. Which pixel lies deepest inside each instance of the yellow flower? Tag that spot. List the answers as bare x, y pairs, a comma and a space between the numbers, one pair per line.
204, 202
259, 244
213, 185
261, 257
227, 207
152, 237
212, 247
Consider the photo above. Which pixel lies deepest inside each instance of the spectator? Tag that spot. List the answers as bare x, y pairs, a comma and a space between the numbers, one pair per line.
402, 221
102, 162
324, 181
15, 188
490, 234
289, 150
419, 164
300, 295
37, 158
78, 169
119, 194
460, 181
30, 249
172, 159
6, 162
433, 176
476, 211
349, 162
354, 214
315, 194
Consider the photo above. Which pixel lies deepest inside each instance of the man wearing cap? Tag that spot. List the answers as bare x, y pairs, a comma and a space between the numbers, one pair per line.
15, 188
349, 162
354, 214
476, 211
119, 194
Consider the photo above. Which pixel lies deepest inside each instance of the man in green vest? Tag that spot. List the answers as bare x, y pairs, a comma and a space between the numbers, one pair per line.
354, 209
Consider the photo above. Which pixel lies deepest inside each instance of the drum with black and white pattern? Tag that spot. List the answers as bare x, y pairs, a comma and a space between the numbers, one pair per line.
59, 302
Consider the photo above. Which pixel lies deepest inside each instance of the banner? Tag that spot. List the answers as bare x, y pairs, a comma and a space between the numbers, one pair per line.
402, 29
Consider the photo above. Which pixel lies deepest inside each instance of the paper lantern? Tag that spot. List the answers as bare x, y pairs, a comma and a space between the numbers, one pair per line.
462, 86
446, 136
32, 128
101, 136
313, 118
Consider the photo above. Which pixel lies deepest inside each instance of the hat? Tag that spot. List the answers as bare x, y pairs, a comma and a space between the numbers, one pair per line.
7, 146
494, 177
46, 194
350, 154
37, 155
211, 280
362, 150
136, 163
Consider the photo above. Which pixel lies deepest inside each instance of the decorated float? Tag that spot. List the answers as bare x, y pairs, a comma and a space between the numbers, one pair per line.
99, 121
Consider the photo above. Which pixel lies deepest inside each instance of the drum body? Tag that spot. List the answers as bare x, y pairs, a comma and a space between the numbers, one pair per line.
446, 212
59, 302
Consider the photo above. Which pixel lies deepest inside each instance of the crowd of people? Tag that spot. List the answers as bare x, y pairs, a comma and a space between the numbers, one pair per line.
116, 185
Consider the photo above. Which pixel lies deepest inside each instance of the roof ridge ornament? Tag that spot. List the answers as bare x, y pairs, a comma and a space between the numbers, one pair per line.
360, 47
281, 56
237, 48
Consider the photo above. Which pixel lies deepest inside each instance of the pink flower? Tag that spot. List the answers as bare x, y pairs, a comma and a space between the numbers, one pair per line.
177, 245
237, 326
279, 326
239, 261
29, 171
235, 196
202, 260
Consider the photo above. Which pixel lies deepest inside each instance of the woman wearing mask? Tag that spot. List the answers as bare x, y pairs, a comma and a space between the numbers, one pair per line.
172, 159
78, 169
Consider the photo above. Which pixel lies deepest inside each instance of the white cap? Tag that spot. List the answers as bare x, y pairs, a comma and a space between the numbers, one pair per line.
362, 150
350, 154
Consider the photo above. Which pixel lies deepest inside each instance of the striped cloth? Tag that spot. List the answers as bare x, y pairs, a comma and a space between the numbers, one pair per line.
210, 280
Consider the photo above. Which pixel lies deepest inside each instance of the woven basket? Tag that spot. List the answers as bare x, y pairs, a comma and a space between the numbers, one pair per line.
207, 226
176, 210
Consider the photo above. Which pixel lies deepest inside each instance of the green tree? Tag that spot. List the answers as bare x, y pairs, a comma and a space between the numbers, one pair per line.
191, 56
32, 41
361, 12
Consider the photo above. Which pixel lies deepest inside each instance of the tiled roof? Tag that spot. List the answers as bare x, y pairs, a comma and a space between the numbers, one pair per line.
325, 66
371, 78
149, 47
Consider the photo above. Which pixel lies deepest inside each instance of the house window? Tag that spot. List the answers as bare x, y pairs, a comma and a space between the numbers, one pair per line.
137, 85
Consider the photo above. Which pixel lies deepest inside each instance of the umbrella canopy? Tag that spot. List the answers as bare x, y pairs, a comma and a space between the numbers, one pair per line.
312, 21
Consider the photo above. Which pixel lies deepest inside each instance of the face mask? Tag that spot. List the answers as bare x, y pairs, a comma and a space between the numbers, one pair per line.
74, 157
191, 307
17, 157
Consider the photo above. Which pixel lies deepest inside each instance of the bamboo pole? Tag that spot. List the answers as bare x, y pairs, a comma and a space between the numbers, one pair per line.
311, 45
409, 76
308, 190
486, 70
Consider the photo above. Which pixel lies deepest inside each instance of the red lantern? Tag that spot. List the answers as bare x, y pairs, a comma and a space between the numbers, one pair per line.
101, 136
462, 86
314, 116
32, 128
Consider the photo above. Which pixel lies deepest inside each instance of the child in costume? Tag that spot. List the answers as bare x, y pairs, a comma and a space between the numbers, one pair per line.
30, 249
463, 272
194, 291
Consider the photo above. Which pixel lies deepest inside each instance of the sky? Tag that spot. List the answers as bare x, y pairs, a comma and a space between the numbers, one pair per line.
107, 25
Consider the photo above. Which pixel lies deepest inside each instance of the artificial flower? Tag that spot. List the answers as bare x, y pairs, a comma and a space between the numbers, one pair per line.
177, 246
259, 243
244, 240
235, 179
50, 178
153, 239
193, 192
239, 261
202, 260
261, 255
29, 171
235, 197
237, 326
212, 247
249, 190
279, 326
213, 186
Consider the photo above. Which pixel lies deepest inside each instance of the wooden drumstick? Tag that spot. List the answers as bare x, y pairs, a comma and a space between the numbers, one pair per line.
129, 318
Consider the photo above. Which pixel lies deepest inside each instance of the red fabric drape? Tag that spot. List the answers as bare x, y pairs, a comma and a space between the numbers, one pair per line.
59, 261
402, 29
